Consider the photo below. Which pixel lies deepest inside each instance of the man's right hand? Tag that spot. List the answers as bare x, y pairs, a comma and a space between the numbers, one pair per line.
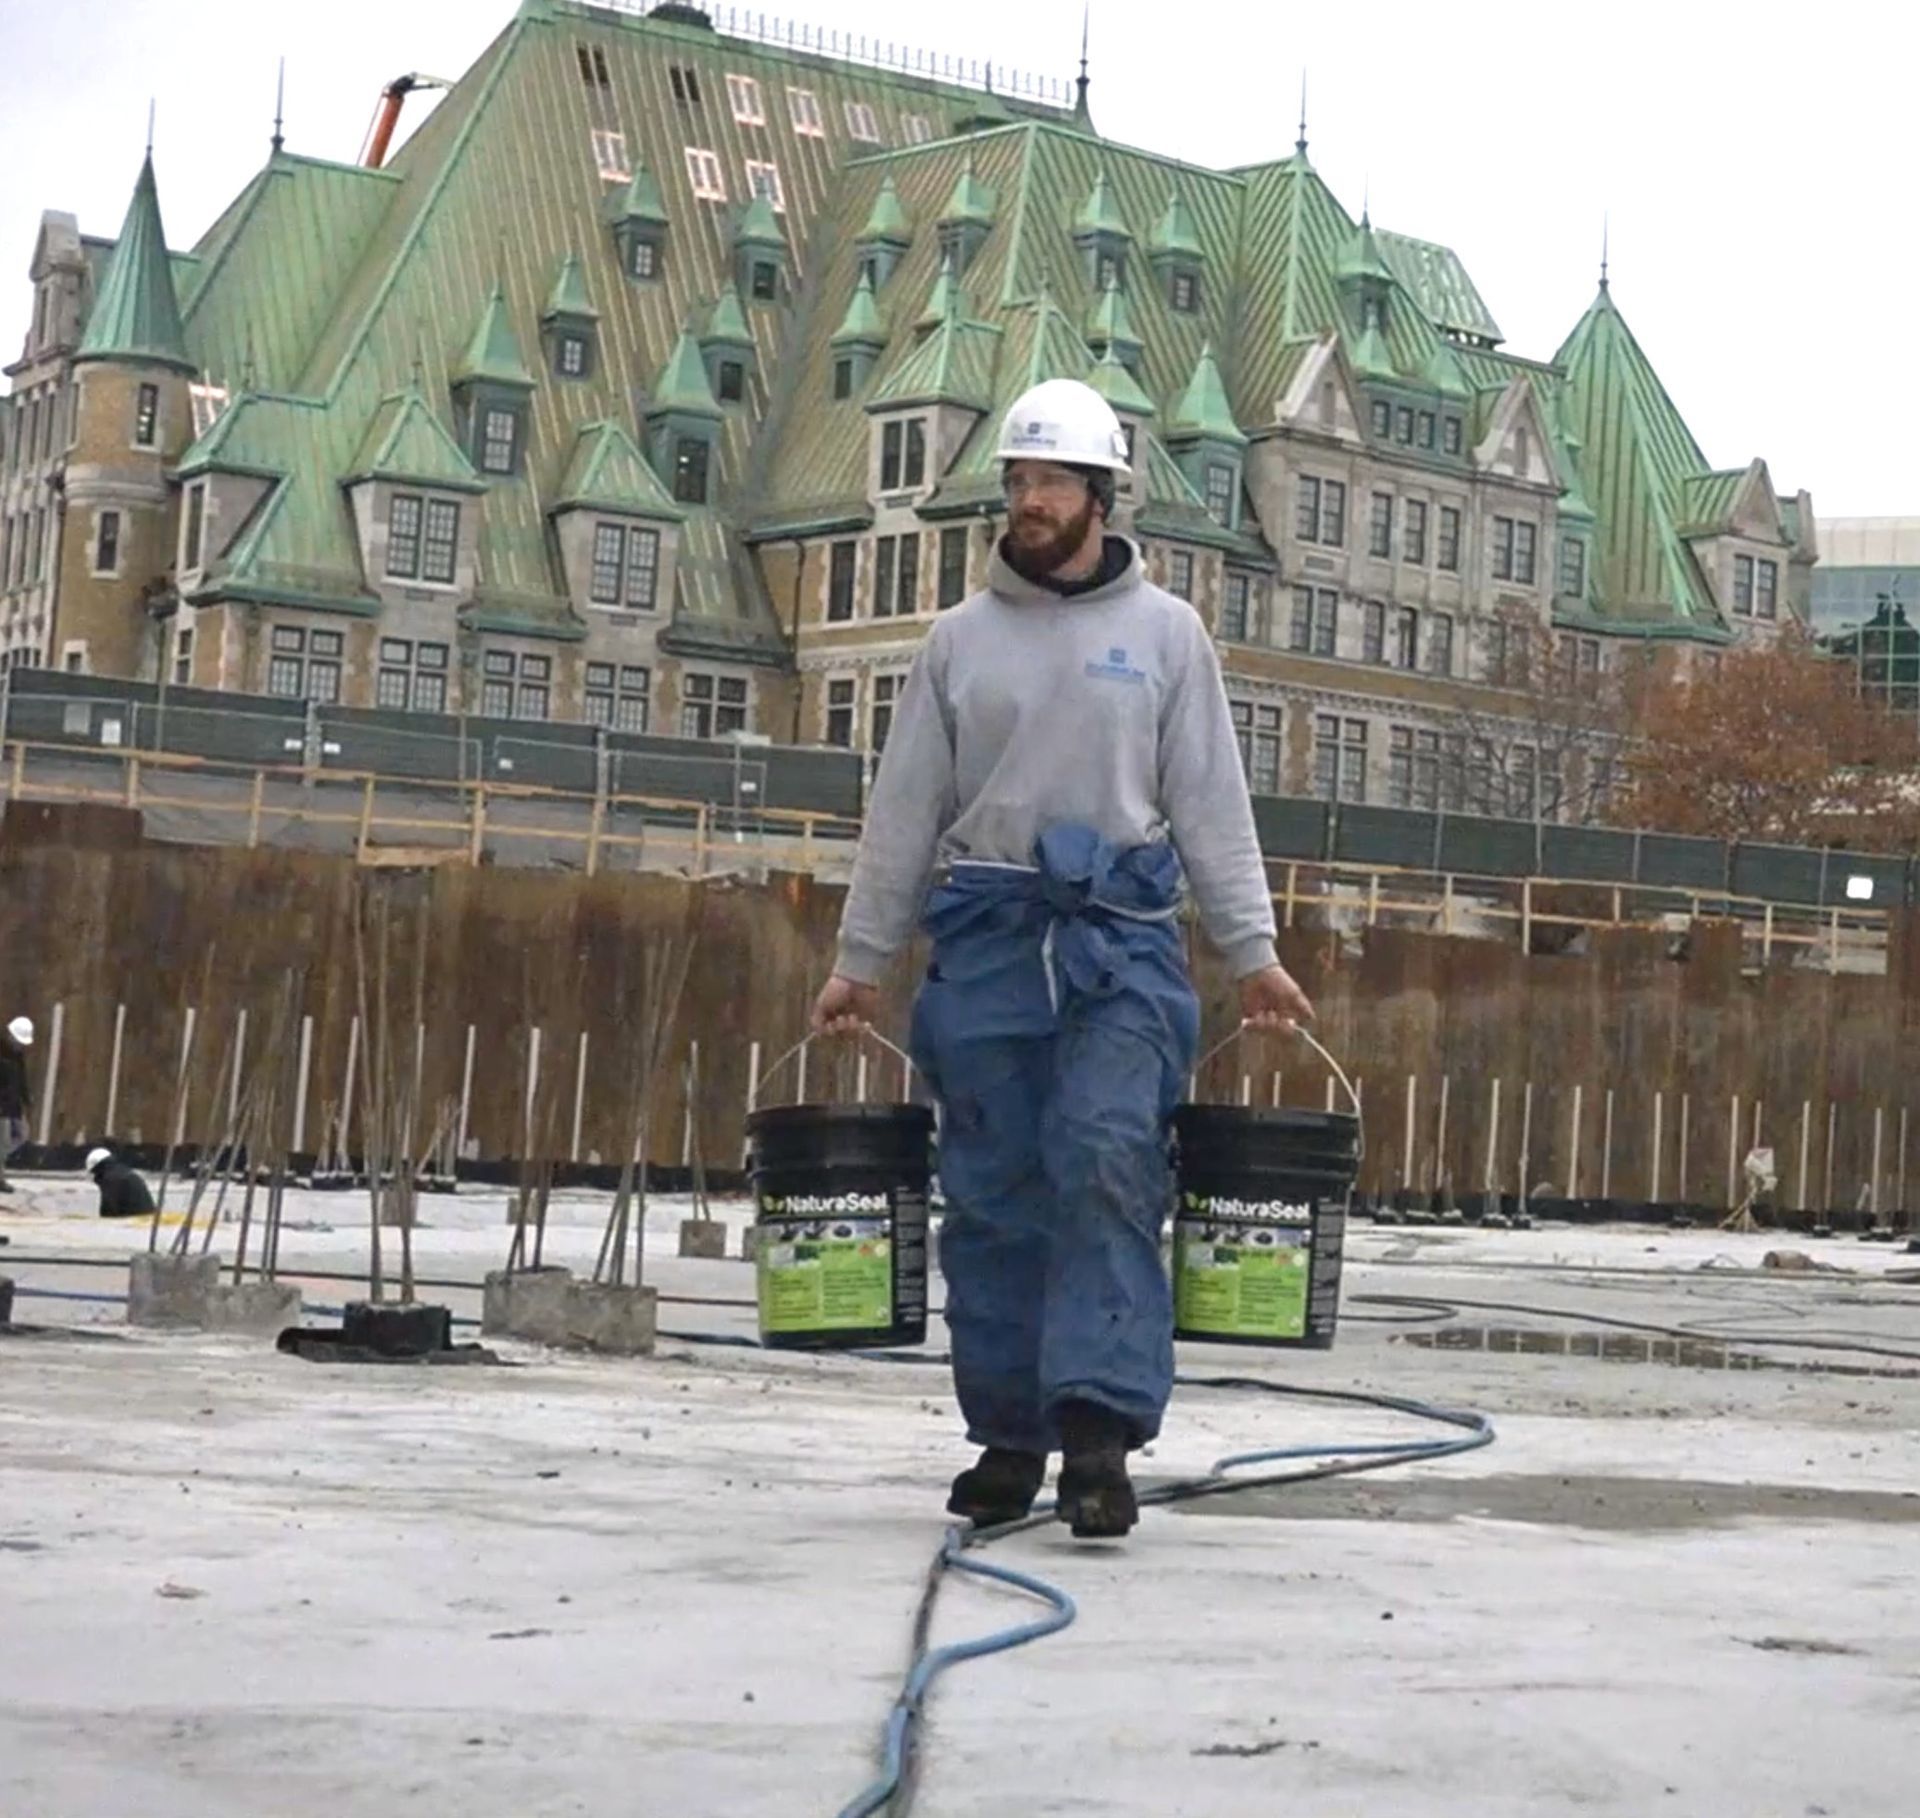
845, 1006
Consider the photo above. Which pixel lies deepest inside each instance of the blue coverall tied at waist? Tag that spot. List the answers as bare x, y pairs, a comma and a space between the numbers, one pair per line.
1057, 1027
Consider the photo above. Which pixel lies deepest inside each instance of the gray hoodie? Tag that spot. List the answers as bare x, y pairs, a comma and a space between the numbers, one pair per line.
1025, 709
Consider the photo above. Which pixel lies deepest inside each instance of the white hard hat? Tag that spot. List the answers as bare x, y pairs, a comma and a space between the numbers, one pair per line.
1067, 421
21, 1029
96, 1156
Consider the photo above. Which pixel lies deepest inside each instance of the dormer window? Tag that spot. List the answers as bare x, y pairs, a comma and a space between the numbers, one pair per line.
843, 377
643, 256
685, 84
1183, 292
1450, 435
763, 280
499, 439
423, 535
903, 454
692, 457
959, 241
730, 381
1220, 484
570, 355
1108, 268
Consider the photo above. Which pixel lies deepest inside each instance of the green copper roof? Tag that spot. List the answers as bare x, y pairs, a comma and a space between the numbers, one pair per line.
1434, 277
887, 220
136, 315
1175, 232
953, 365
606, 472
941, 300
1100, 214
1109, 320
639, 201
406, 442
1119, 387
682, 385
1442, 372
493, 355
861, 323
758, 225
1369, 354
1361, 257
569, 295
970, 200
1204, 411
727, 322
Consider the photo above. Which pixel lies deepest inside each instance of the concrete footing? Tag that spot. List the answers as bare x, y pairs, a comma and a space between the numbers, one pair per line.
551, 1307
703, 1237
750, 1243
186, 1293
6, 1301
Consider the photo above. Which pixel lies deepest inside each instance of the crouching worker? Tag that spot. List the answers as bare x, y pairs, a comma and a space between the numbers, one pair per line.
1062, 762
123, 1193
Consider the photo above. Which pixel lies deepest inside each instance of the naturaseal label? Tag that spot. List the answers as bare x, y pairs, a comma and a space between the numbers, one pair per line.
825, 1273
1236, 1277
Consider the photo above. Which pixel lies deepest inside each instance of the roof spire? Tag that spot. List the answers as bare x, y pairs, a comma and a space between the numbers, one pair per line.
136, 315
150, 108
1300, 144
1604, 226
280, 108
1081, 84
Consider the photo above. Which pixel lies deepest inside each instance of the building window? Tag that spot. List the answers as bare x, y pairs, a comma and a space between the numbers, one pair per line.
106, 544
1450, 435
1185, 292
1106, 270
1766, 590
1448, 553
1440, 643
1573, 566
1234, 607
1373, 632
610, 155
712, 706
1503, 548
743, 95
861, 123
842, 378
183, 656
1339, 758
303, 664
703, 172
1316, 621
1380, 526
533, 699
496, 684
915, 129
1426, 429
903, 454
403, 536
842, 709
1403, 425
146, 417
1414, 541
896, 576
1415, 769
593, 66
1220, 492
1180, 573
440, 542
411, 675
1525, 536
1382, 418
691, 455
763, 281
208, 402
617, 696
1406, 638
686, 85
914, 468
887, 690
841, 560
643, 257
732, 381
626, 566
37, 564
764, 180
1320, 511
890, 446
1495, 653
499, 440
953, 567
570, 356
194, 548
803, 109
1256, 728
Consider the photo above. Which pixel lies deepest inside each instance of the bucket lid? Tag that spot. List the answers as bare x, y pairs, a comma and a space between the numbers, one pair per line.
1321, 1129
783, 1120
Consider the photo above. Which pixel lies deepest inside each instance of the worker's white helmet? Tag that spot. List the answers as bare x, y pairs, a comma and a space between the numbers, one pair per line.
96, 1156
21, 1029
1066, 421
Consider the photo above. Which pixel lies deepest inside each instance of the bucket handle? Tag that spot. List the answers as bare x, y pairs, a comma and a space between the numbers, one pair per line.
807, 1041
1338, 1071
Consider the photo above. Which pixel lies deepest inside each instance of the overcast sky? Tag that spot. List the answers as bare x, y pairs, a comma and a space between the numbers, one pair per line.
1758, 163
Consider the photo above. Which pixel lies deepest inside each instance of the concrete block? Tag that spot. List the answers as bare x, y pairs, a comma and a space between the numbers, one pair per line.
550, 1307
186, 1293
703, 1237
750, 1243
6, 1301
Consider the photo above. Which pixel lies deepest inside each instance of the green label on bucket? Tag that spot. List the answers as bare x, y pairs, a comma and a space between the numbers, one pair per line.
1237, 1281
840, 1280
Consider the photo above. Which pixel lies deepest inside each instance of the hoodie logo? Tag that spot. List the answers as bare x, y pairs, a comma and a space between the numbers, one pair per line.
1116, 668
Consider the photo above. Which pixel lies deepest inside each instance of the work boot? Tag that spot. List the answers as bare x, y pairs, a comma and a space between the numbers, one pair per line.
1000, 1488
1095, 1495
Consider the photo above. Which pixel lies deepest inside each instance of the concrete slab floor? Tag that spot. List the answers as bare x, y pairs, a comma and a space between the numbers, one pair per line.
235, 1583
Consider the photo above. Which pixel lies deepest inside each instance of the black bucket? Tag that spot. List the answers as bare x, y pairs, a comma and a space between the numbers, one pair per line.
1260, 1222
840, 1200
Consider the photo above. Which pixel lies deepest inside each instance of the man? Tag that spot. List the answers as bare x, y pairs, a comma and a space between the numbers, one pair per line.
123, 1192
16, 1092
1063, 751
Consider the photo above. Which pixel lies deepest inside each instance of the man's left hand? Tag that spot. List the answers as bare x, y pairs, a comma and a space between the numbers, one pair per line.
1270, 999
